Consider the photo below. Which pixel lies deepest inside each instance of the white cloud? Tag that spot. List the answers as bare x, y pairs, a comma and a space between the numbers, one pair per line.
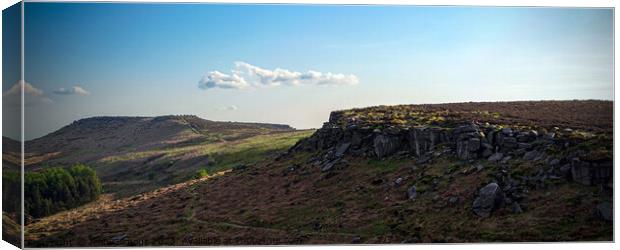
245, 75
32, 95
216, 79
16, 89
229, 108
75, 90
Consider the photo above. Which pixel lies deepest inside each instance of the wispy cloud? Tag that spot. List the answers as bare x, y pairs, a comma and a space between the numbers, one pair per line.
229, 108
245, 75
75, 90
32, 95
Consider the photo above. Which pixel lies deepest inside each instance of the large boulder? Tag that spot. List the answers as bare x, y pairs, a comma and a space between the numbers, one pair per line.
489, 199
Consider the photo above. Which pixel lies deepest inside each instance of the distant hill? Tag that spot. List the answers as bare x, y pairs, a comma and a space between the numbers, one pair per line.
11, 153
135, 154
91, 138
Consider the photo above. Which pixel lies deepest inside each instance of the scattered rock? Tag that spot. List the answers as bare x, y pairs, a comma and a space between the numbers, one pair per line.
398, 181
412, 193
453, 200
292, 168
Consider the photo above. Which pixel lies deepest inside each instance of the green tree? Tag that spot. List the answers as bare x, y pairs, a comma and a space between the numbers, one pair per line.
54, 189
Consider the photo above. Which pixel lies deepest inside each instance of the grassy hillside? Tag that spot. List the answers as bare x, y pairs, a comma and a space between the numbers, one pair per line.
409, 173
138, 154
160, 167
358, 202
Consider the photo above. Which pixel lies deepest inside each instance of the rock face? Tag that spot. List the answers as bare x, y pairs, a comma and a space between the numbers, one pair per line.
468, 141
423, 139
385, 145
591, 173
489, 199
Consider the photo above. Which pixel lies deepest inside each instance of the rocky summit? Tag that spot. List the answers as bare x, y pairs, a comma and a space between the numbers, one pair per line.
585, 157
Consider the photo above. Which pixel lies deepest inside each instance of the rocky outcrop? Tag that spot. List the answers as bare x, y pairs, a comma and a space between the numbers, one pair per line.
468, 141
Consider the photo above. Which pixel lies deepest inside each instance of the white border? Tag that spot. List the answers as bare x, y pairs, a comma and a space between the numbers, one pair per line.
564, 3
527, 3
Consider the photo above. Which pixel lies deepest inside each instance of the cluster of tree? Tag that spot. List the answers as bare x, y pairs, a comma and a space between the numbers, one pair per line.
54, 189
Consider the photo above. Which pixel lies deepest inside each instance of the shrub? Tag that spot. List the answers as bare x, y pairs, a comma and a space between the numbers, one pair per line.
201, 173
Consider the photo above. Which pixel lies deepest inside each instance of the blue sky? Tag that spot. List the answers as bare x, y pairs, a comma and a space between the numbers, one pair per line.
294, 64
